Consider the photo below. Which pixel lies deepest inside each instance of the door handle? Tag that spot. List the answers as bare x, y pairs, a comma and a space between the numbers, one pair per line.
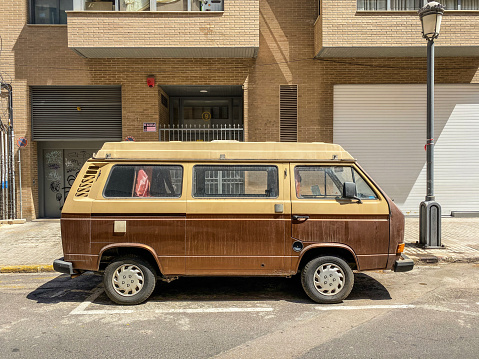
300, 218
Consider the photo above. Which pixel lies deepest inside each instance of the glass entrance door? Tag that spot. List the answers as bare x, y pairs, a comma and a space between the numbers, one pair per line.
209, 112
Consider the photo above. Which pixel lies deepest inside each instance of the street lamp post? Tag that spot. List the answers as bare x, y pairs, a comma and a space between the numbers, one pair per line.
430, 210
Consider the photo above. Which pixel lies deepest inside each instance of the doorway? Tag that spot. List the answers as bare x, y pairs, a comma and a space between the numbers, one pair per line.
61, 168
204, 113
58, 167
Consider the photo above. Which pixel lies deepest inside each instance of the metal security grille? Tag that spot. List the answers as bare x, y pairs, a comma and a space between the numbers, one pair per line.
201, 132
7, 173
76, 113
8, 197
224, 182
288, 113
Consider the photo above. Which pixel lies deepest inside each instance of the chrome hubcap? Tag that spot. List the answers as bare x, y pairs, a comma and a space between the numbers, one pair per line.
128, 280
329, 279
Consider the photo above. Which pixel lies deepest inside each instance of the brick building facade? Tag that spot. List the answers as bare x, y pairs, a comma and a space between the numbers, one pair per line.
259, 45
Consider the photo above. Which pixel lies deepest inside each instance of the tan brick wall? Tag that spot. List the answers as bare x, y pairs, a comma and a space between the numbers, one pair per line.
236, 26
36, 55
285, 57
343, 25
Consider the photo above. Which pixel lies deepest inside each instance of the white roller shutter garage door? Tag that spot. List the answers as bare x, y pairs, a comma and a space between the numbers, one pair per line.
384, 127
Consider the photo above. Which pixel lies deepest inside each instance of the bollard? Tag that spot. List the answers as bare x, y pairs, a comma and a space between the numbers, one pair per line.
430, 224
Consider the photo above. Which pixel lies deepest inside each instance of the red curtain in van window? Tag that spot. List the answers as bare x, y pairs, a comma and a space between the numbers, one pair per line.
142, 188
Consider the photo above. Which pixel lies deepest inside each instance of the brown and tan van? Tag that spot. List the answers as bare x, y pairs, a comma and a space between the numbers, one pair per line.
144, 211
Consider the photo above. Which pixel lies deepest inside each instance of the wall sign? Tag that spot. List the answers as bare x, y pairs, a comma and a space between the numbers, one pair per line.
129, 138
206, 116
149, 126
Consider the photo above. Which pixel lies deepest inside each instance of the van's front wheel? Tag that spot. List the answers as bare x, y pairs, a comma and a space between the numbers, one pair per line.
327, 279
129, 280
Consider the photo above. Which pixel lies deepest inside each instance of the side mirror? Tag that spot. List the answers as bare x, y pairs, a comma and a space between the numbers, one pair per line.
350, 192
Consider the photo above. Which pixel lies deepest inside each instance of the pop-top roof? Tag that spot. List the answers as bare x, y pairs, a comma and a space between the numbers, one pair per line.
222, 150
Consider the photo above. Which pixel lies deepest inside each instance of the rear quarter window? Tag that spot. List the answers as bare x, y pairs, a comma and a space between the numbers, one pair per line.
144, 181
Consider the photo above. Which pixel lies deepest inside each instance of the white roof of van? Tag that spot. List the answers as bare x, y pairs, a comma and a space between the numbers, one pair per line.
222, 150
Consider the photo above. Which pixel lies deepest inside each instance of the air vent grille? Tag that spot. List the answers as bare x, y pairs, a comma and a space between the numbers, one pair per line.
87, 181
288, 113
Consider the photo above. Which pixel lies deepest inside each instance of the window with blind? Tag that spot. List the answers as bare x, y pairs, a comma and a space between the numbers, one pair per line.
410, 5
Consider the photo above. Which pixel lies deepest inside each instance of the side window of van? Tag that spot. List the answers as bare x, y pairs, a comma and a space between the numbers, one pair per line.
235, 181
327, 182
128, 181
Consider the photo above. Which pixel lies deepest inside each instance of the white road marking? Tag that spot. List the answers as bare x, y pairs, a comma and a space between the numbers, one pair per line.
100, 312
360, 307
172, 311
96, 293
214, 310
81, 309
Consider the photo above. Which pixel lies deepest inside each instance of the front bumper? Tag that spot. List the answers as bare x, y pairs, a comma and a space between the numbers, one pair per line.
404, 264
59, 265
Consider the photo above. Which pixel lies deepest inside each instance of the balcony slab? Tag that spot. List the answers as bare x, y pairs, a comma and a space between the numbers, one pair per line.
233, 32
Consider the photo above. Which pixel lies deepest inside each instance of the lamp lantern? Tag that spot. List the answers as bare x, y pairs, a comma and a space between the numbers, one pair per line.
431, 17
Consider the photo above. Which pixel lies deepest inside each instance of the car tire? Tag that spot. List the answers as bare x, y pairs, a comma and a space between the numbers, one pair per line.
129, 280
327, 279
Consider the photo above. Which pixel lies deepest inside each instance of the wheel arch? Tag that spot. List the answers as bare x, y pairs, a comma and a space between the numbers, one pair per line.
108, 253
327, 249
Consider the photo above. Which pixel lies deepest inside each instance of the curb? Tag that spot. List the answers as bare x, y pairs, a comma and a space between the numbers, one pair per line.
13, 221
29, 268
430, 259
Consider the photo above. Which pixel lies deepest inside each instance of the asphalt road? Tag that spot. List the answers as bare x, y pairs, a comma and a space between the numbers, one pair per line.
431, 312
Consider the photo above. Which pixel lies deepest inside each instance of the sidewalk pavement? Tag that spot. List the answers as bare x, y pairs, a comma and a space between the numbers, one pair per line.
32, 247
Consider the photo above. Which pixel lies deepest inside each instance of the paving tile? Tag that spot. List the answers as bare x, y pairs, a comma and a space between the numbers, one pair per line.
460, 237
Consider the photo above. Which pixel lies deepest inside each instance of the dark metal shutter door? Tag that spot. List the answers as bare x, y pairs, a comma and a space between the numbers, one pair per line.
76, 113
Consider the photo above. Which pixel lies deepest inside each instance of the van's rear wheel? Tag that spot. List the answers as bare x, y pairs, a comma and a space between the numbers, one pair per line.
327, 279
129, 280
